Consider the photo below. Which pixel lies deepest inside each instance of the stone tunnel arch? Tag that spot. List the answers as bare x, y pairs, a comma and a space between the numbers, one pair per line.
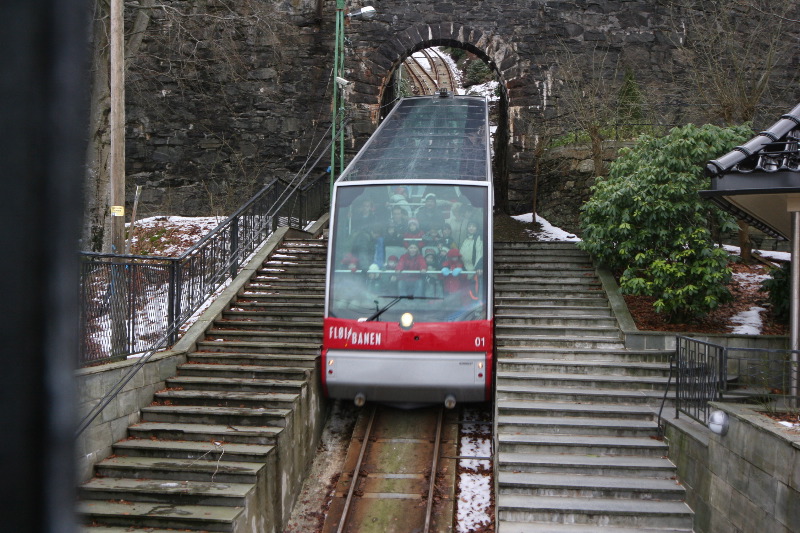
372, 96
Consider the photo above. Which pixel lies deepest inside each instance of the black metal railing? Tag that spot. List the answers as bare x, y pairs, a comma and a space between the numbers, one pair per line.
707, 372
699, 376
128, 303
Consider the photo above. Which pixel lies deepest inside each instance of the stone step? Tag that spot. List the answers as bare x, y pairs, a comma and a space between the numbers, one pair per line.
582, 445
244, 371
573, 485
573, 354
304, 246
203, 414
547, 278
297, 347
524, 333
267, 306
549, 527
284, 334
274, 323
571, 321
575, 425
534, 310
166, 491
223, 471
536, 245
595, 511
559, 341
257, 359
205, 432
542, 261
600, 381
150, 514
519, 390
256, 297
564, 409
538, 301
277, 273
537, 267
559, 366
313, 282
590, 465
281, 256
226, 398
123, 529
213, 382
276, 316
207, 451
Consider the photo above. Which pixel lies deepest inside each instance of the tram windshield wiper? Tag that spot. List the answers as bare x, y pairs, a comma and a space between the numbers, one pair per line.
377, 314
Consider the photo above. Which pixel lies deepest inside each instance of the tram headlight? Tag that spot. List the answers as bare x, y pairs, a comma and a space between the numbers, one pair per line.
406, 321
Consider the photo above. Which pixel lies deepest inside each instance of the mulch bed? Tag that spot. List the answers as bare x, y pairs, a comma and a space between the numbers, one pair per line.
717, 321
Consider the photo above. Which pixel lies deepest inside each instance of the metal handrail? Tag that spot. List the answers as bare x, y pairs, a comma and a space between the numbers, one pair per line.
139, 297
313, 192
707, 372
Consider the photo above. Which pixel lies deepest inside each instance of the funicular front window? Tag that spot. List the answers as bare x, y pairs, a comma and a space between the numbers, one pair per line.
422, 245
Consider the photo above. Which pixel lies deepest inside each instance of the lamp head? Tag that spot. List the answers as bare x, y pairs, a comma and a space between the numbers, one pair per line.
718, 422
366, 12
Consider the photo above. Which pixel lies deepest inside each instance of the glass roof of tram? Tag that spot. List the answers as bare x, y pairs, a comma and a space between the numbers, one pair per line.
440, 138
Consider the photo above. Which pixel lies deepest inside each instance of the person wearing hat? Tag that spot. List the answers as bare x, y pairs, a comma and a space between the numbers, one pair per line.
453, 280
377, 282
413, 234
430, 217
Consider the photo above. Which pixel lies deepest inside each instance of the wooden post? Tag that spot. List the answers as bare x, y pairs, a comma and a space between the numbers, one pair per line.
117, 128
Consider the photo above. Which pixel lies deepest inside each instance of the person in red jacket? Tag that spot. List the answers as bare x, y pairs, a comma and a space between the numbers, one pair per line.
411, 269
451, 272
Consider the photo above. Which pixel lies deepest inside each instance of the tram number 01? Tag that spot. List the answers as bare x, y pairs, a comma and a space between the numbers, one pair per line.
480, 342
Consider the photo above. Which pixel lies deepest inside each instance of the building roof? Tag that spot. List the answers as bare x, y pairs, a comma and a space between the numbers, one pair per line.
754, 181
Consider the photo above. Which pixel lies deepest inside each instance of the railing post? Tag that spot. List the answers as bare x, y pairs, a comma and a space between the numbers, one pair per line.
678, 341
173, 305
117, 310
234, 248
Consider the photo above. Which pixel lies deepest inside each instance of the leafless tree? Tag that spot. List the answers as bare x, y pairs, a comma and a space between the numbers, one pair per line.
733, 51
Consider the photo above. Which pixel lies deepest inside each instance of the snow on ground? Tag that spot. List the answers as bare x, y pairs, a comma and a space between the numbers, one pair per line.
548, 232
474, 506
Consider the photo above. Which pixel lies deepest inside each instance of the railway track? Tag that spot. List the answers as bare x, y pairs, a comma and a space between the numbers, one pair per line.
399, 475
428, 80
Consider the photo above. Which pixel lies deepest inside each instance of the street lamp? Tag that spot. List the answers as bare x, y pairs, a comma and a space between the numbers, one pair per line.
339, 85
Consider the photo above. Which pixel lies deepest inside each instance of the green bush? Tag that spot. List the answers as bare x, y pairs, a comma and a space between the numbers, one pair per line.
778, 288
477, 72
646, 221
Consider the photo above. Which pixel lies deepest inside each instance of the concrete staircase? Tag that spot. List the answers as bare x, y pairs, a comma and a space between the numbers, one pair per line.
577, 447
221, 446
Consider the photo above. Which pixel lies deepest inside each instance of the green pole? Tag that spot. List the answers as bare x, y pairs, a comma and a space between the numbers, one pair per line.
338, 104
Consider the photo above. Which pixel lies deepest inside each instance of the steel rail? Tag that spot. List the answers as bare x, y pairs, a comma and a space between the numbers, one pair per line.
438, 63
427, 74
434, 469
354, 479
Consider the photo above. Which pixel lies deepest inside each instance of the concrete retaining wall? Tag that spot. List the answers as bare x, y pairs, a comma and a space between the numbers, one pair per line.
745, 481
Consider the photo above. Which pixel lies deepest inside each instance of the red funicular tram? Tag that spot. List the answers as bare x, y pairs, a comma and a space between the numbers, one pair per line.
408, 314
